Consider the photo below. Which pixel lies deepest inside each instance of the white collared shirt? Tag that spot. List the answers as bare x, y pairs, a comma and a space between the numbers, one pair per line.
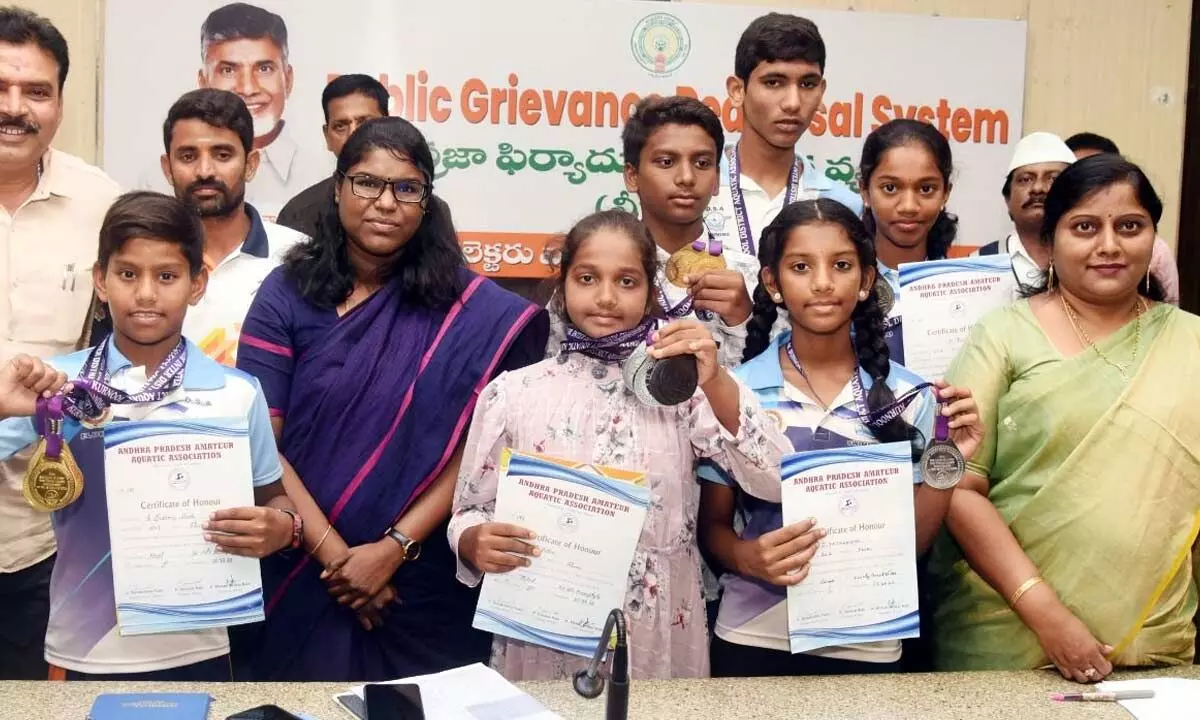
1025, 268
46, 266
762, 208
286, 168
215, 323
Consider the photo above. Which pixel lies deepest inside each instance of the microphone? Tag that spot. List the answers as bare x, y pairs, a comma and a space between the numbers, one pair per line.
590, 683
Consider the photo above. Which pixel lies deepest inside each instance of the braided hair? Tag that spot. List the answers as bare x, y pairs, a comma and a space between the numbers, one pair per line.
867, 318
912, 132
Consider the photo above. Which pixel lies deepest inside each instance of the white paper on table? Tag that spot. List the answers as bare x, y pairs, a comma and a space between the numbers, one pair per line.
472, 692
943, 299
587, 521
163, 479
862, 582
1174, 698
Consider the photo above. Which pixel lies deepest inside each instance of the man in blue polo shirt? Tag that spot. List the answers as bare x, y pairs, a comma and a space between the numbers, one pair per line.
209, 136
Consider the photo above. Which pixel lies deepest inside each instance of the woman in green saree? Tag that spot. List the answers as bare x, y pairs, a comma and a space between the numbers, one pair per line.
1072, 540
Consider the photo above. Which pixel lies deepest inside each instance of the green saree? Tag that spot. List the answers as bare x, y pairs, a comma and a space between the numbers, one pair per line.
1099, 480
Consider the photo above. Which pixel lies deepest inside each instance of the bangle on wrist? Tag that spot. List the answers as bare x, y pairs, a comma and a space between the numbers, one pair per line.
320, 542
1024, 588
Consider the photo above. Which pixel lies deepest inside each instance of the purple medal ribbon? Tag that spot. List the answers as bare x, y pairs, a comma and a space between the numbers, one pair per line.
49, 424
873, 419
941, 427
614, 348
682, 310
91, 395
739, 200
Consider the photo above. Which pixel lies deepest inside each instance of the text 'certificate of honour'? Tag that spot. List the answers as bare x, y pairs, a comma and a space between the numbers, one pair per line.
942, 300
862, 583
164, 479
587, 520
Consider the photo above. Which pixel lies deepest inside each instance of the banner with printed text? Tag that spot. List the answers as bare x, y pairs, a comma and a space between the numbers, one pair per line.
523, 100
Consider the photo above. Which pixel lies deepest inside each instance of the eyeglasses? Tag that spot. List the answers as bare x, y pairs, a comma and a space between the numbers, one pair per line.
370, 187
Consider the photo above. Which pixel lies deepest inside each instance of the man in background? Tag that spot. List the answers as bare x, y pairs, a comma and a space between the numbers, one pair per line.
1037, 160
244, 50
209, 158
51, 205
1162, 259
348, 101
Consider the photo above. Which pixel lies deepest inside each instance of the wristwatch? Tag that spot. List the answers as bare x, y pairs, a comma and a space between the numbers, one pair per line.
411, 548
297, 528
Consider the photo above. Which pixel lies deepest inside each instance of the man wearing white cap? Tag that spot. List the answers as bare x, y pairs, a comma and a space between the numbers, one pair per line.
1038, 159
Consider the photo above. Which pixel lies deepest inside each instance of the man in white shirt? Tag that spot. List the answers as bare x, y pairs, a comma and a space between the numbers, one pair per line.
1038, 158
209, 159
778, 83
245, 51
51, 208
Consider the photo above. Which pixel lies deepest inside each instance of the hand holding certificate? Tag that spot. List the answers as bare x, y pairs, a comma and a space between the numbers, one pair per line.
587, 521
943, 299
862, 582
163, 481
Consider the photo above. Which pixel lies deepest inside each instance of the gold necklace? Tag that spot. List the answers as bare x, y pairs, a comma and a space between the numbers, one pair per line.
1086, 340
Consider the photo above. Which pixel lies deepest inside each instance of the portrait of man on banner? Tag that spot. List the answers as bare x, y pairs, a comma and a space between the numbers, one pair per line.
244, 49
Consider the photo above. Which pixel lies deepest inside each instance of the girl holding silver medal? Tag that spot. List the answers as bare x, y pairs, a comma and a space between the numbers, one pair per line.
828, 382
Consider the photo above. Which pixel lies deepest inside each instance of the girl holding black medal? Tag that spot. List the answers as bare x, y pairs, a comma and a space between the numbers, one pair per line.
593, 404
905, 174
827, 383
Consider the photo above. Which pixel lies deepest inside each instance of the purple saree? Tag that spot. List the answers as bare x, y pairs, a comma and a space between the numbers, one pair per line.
375, 404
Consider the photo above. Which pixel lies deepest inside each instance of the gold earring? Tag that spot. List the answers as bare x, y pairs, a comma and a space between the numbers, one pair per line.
1147, 281
777, 297
1050, 277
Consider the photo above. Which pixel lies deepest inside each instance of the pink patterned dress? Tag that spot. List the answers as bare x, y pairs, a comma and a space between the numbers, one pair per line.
577, 408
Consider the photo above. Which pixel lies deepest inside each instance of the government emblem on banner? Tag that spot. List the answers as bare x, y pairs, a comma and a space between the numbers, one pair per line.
660, 44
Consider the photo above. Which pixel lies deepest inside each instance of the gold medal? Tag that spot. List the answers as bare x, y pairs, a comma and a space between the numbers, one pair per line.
689, 261
52, 484
53, 480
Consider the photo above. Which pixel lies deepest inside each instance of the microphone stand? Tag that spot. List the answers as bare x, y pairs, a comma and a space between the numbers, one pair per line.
590, 684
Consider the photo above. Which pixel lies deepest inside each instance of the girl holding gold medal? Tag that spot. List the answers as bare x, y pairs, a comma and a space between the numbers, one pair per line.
828, 382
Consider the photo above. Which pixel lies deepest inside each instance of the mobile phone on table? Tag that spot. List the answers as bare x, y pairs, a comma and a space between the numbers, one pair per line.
264, 712
401, 701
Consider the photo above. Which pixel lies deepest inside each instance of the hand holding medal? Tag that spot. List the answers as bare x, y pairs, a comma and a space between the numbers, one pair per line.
53, 479
692, 261
957, 435
30, 387
23, 380
688, 337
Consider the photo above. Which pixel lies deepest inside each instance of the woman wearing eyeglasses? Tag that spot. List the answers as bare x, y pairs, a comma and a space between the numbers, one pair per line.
371, 343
